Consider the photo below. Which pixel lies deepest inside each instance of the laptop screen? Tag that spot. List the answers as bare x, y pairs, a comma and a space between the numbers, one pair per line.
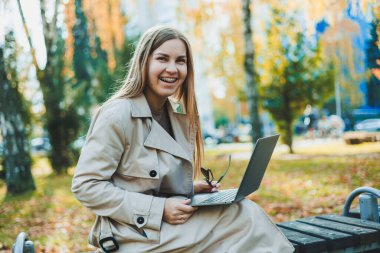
257, 165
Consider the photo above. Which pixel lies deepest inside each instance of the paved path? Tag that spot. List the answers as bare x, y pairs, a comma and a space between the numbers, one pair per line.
243, 150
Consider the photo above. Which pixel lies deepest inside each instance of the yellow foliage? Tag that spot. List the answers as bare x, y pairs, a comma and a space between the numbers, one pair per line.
103, 17
217, 29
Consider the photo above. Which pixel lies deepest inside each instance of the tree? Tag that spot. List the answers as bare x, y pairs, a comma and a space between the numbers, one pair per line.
103, 75
372, 60
17, 161
251, 86
94, 77
61, 117
299, 76
82, 61
99, 48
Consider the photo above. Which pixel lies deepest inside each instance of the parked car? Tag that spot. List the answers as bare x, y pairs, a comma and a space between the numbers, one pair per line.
78, 143
210, 138
41, 144
368, 125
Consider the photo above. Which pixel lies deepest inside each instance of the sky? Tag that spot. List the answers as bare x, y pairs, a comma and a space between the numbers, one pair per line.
10, 19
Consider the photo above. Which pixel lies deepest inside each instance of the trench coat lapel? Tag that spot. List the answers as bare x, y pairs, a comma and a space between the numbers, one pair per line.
181, 126
158, 138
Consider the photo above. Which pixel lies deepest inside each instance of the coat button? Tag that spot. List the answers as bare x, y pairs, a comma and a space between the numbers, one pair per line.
140, 220
153, 173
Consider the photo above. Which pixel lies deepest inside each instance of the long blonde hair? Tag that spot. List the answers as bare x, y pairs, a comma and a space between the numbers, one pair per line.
136, 80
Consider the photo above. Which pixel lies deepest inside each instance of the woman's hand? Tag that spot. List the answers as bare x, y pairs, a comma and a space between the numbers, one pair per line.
203, 186
177, 211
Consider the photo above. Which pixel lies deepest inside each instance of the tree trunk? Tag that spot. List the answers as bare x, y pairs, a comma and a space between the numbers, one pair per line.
288, 120
57, 126
289, 136
251, 87
17, 160
60, 131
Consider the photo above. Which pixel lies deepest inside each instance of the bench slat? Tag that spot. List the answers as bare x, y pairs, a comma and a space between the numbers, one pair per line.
305, 243
297, 248
351, 221
360, 235
335, 239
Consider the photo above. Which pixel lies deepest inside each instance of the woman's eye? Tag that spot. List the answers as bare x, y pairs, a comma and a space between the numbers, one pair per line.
161, 58
181, 60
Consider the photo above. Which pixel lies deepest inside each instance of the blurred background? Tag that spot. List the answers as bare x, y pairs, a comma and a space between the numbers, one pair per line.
309, 70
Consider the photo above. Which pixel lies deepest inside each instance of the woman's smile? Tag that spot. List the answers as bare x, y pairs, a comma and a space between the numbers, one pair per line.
168, 79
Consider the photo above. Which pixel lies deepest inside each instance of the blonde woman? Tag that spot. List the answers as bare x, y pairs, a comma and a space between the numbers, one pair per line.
143, 150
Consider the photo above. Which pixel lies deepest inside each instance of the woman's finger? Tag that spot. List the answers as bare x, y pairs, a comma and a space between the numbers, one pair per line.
185, 208
183, 218
203, 186
215, 184
215, 187
178, 219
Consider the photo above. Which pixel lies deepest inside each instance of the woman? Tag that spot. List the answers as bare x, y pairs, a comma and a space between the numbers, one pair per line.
143, 150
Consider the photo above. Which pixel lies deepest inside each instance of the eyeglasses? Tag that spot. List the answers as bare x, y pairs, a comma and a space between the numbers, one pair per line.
209, 177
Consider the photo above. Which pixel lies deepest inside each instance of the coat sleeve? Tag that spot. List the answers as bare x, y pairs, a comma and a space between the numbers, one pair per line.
105, 144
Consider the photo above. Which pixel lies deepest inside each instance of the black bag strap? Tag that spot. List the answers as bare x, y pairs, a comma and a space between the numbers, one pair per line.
107, 242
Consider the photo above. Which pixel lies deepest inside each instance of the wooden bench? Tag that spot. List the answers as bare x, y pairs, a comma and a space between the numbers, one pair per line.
359, 137
338, 234
332, 233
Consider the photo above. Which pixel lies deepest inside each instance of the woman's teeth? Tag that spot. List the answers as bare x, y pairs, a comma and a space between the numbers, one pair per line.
168, 80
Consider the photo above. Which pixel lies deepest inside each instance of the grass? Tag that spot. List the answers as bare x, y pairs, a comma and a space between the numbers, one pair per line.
316, 180
51, 216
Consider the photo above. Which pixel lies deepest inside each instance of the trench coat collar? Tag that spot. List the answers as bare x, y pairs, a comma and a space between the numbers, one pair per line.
140, 107
158, 138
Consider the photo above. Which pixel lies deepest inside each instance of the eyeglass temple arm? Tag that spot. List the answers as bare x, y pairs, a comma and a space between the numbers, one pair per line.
229, 163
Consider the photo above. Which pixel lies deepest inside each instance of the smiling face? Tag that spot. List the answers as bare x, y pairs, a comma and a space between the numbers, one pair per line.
167, 70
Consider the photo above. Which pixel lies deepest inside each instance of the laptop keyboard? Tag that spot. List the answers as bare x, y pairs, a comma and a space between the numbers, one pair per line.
222, 196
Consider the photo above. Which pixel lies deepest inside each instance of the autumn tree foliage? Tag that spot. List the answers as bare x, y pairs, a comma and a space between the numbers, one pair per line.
372, 62
219, 31
79, 72
99, 46
82, 63
16, 151
60, 117
299, 76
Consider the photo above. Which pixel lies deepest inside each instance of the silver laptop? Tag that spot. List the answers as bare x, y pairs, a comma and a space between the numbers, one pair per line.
249, 183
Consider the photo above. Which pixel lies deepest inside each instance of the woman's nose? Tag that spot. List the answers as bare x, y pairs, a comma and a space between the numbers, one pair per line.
171, 67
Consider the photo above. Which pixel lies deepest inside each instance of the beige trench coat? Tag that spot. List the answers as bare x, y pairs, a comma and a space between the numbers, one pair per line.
129, 165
